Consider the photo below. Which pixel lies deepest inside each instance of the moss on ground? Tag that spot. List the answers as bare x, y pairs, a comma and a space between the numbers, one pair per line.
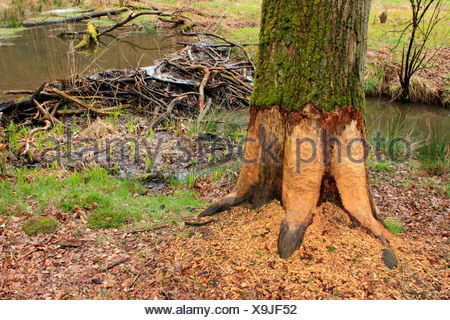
36, 225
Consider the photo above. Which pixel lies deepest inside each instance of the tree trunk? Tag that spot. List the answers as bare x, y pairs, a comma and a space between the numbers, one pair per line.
306, 137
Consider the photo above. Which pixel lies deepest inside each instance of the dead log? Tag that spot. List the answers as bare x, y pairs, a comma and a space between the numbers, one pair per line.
79, 18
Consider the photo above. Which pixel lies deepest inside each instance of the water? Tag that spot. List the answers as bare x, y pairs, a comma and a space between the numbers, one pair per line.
411, 119
38, 55
418, 119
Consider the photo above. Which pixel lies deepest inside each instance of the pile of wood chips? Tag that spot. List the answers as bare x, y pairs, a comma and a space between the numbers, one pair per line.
236, 258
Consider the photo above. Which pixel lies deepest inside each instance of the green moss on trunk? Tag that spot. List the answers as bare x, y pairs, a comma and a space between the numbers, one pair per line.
312, 51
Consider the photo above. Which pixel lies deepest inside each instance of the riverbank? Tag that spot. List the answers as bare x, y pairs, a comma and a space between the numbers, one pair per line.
239, 21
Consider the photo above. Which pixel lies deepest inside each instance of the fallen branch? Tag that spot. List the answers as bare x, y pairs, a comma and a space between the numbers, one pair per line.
197, 222
79, 18
81, 111
131, 17
169, 108
77, 101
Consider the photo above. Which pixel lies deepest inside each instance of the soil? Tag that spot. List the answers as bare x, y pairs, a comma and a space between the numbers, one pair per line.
235, 256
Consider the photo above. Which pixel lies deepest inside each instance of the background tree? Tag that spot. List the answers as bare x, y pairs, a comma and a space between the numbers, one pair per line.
306, 131
415, 35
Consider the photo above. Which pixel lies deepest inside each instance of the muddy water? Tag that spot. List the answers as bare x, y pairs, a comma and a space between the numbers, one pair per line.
418, 119
38, 55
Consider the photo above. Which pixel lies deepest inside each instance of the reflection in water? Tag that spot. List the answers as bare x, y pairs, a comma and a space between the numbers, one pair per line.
382, 116
38, 55
419, 119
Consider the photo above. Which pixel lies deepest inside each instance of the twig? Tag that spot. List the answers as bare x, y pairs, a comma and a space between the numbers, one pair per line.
77, 101
30, 134
18, 92
47, 115
79, 111
249, 57
143, 230
201, 100
117, 261
401, 283
27, 254
198, 222
169, 108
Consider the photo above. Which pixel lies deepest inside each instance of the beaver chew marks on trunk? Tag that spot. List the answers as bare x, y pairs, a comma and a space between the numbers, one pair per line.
305, 140
290, 155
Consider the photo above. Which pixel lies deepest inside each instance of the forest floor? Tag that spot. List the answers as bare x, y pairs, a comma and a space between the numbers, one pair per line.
235, 255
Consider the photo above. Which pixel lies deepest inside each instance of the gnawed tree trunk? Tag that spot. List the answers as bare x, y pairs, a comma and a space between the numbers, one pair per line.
306, 137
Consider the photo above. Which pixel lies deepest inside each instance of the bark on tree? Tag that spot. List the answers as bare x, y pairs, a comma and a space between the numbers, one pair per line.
305, 139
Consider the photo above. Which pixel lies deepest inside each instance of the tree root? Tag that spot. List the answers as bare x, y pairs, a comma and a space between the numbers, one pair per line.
224, 204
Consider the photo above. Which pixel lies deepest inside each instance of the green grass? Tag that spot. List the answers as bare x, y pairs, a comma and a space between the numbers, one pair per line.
248, 35
434, 154
394, 226
232, 125
388, 144
249, 10
399, 12
110, 201
379, 166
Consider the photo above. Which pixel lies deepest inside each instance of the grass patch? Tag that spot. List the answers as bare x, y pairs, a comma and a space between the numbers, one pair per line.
232, 125
398, 141
434, 154
111, 201
398, 13
394, 226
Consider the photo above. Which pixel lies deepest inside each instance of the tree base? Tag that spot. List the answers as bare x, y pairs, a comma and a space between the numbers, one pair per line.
304, 158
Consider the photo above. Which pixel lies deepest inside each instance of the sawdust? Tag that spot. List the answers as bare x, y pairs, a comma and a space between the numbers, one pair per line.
237, 258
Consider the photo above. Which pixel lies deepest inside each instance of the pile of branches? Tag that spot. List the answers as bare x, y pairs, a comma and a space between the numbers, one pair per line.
200, 76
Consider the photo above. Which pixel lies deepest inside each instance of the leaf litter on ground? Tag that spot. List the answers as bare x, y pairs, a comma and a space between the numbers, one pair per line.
235, 256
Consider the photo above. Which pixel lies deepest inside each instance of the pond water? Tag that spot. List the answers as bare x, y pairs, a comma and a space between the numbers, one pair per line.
38, 55
419, 119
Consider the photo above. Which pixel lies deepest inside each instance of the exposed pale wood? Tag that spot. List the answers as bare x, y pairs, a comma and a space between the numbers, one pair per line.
76, 101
